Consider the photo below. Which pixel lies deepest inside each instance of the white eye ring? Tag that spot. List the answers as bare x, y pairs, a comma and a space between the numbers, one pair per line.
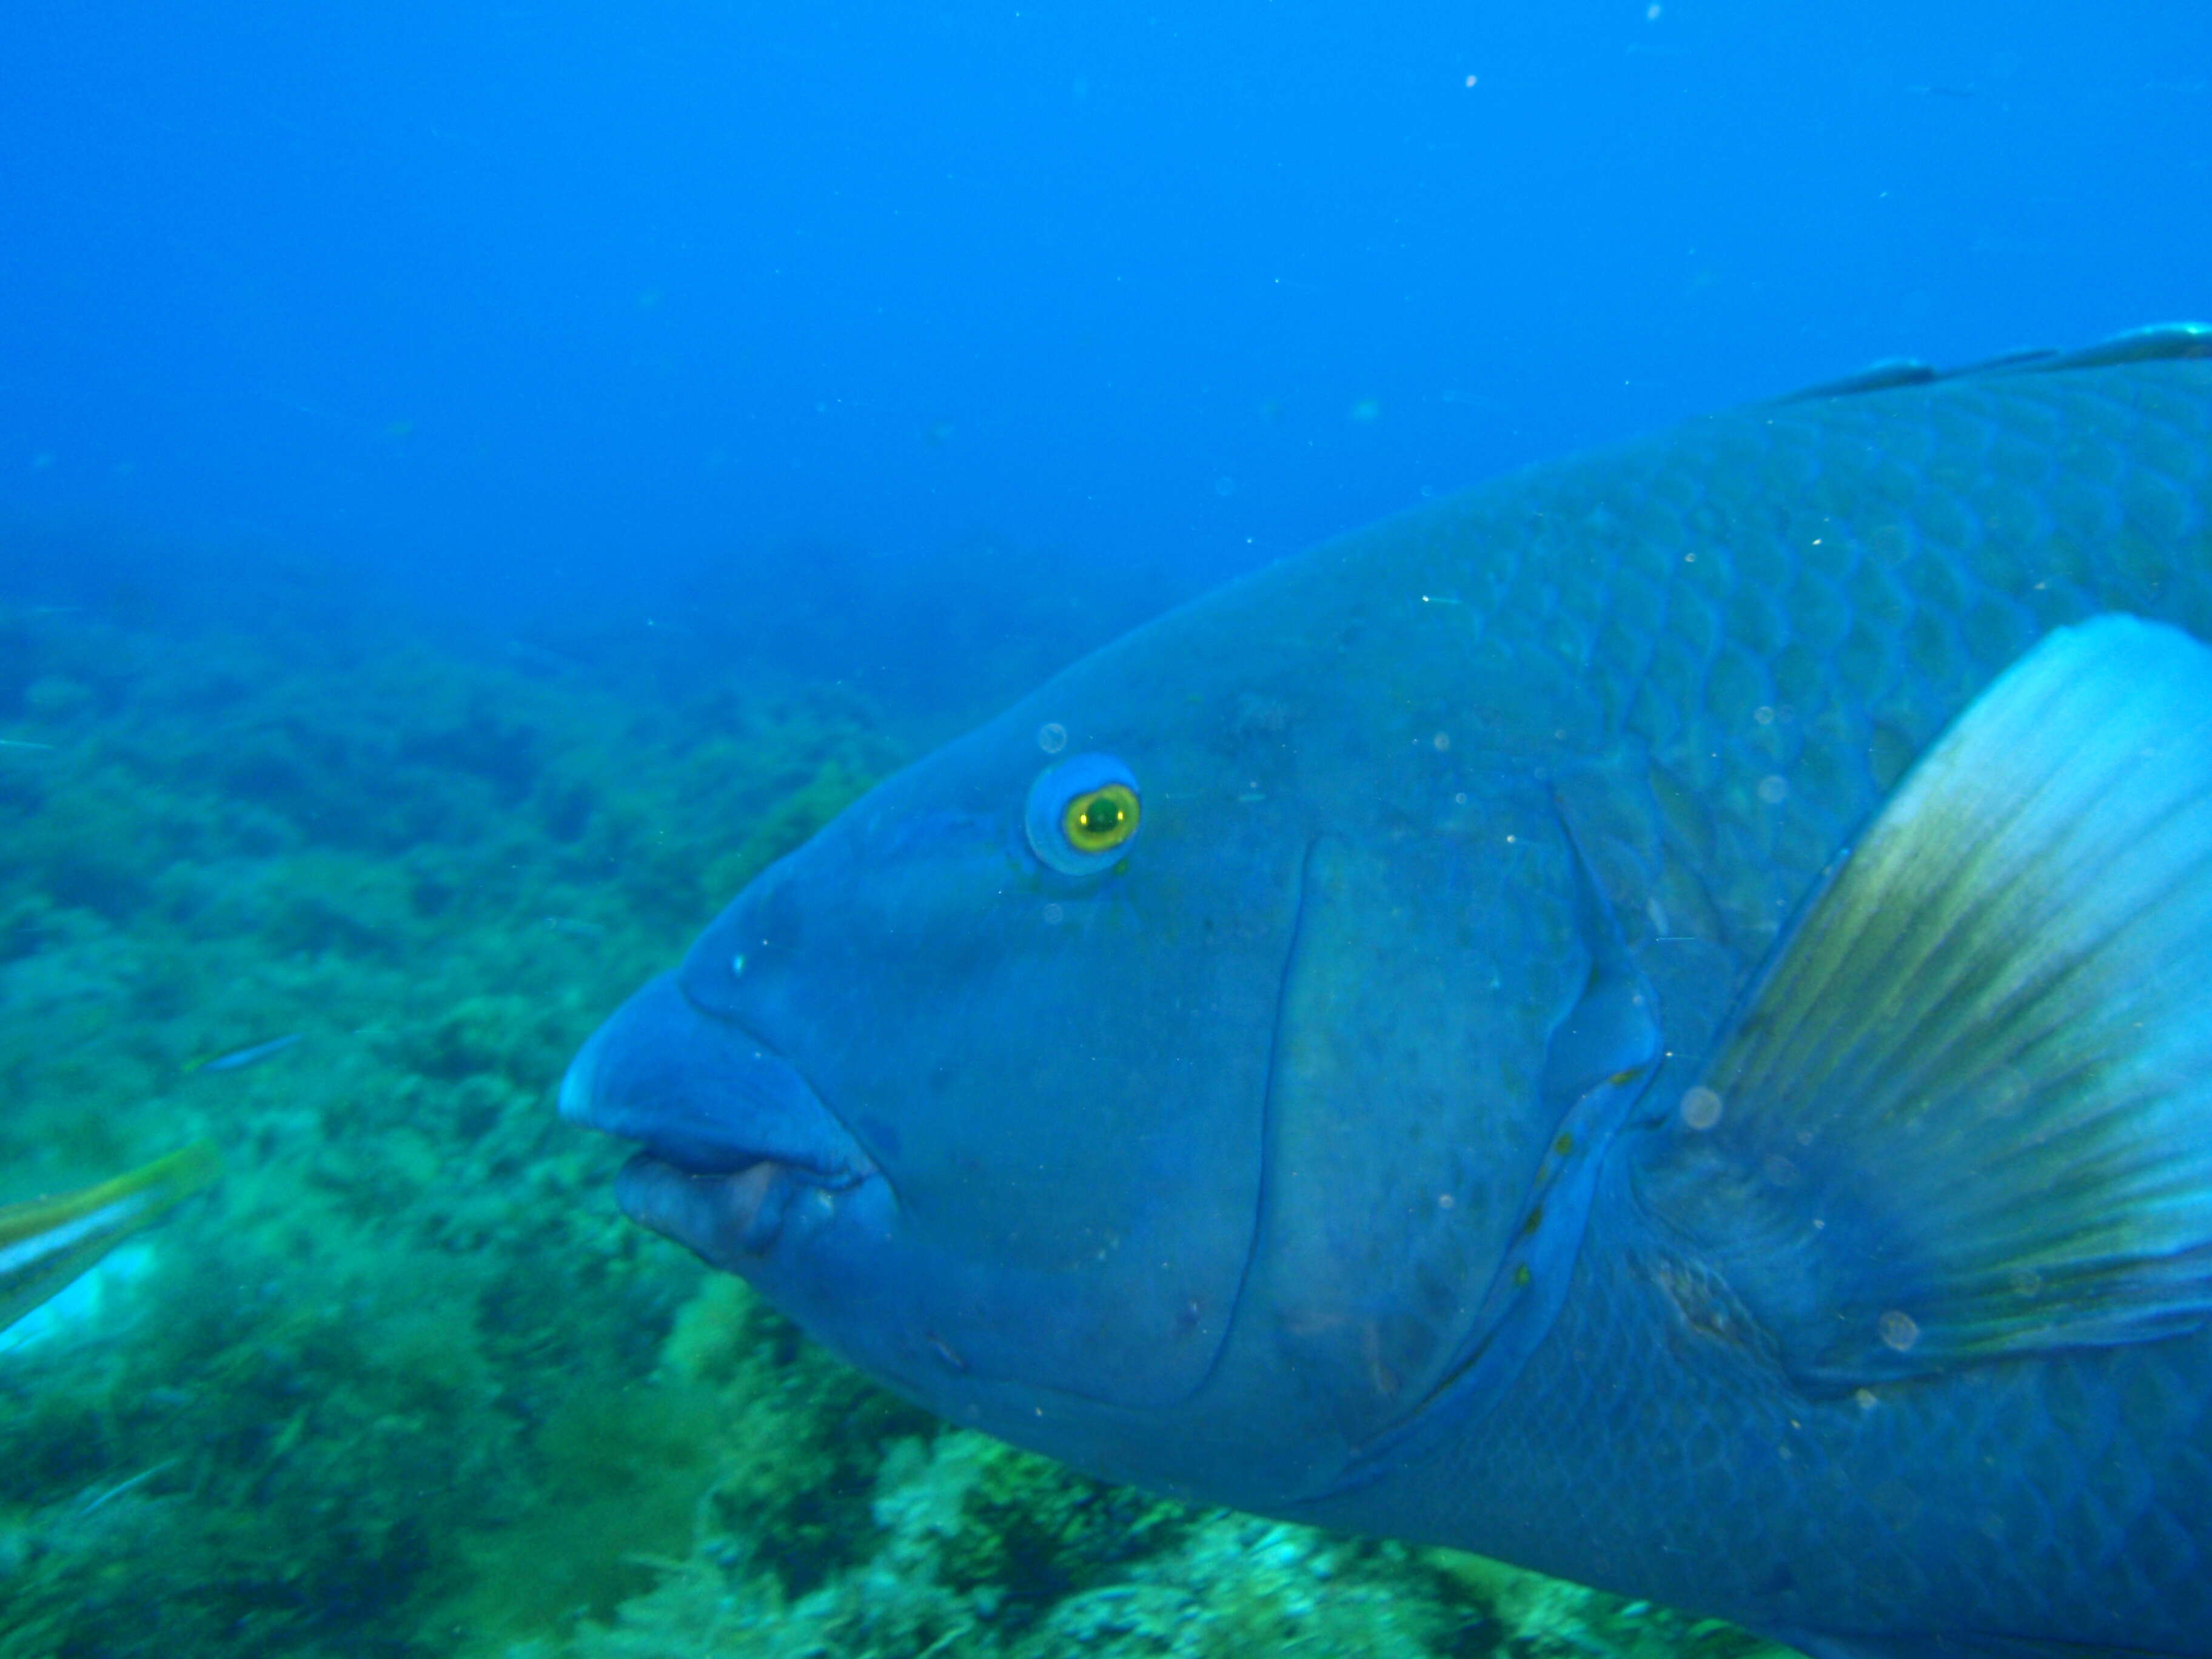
1055, 787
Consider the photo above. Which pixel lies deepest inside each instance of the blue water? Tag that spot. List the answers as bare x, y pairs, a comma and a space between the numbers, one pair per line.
478, 482
524, 306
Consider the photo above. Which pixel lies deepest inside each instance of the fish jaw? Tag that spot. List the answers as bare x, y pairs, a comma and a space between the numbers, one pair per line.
736, 1221
730, 1131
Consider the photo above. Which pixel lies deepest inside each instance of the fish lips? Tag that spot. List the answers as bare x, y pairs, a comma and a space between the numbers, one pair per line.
731, 1131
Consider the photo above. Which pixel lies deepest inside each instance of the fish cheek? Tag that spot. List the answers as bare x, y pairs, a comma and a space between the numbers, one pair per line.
1065, 1099
1406, 1118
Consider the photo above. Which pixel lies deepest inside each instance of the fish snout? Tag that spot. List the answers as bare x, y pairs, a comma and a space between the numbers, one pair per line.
729, 1128
576, 1081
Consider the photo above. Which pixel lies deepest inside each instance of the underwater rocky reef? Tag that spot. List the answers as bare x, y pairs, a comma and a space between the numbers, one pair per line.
404, 1383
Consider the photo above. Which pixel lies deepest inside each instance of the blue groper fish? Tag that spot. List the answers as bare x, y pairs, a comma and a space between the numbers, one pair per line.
1652, 1019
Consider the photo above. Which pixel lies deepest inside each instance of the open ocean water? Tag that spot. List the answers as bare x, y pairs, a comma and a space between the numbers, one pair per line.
480, 482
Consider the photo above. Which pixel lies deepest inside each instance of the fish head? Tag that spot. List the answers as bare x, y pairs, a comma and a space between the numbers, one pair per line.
973, 1084
1168, 1050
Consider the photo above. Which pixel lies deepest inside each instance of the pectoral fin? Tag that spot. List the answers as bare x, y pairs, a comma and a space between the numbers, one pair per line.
1967, 1113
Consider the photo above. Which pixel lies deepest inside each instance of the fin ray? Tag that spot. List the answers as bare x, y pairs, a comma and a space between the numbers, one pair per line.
1968, 1112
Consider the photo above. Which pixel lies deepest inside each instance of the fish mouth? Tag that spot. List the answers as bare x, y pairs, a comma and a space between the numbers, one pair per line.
731, 1133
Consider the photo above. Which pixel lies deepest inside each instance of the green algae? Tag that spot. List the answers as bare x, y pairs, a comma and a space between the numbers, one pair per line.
404, 1384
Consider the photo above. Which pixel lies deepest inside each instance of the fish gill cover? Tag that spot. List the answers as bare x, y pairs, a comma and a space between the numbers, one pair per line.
479, 483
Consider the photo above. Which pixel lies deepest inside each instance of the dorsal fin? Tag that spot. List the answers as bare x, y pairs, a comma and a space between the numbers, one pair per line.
2005, 362
1878, 376
2159, 342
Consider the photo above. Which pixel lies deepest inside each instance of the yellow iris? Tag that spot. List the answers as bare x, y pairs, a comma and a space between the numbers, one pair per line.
1101, 820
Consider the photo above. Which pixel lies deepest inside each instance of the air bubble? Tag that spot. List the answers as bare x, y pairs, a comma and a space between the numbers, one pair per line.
1701, 1108
1051, 737
1898, 1331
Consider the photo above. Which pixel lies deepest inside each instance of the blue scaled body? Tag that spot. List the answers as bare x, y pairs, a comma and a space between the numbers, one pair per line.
1645, 1019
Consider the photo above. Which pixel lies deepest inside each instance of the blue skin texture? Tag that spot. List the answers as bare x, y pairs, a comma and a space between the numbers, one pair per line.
1316, 1152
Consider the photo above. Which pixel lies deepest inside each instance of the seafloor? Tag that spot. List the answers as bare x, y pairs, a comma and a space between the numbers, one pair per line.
404, 1383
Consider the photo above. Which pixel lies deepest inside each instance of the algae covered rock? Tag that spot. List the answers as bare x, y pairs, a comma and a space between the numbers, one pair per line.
361, 1378
404, 1383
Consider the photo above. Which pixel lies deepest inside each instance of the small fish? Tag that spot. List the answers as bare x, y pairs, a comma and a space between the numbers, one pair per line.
47, 1242
238, 1059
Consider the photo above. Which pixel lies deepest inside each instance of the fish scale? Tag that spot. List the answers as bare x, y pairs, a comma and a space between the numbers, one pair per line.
1777, 1511
1846, 564
1880, 590
1327, 1147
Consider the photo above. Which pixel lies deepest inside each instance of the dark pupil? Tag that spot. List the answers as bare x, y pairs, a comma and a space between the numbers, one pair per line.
1102, 816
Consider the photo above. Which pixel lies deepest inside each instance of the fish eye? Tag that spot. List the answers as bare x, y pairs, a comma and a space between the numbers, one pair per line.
1102, 820
1082, 813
